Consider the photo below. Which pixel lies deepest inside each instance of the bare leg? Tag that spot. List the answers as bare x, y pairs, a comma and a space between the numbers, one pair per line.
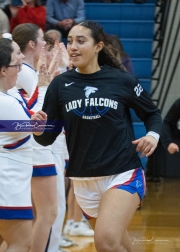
70, 202
17, 234
74, 211
116, 206
44, 192
125, 241
77, 210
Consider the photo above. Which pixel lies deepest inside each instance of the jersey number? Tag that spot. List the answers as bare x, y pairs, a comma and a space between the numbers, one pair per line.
138, 89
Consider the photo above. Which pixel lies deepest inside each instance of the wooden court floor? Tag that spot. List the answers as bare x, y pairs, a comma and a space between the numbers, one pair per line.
155, 227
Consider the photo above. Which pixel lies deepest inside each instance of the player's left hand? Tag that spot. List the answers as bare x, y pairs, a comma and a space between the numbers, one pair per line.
146, 145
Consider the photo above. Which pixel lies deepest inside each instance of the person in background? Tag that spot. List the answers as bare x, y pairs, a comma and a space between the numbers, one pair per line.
15, 157
93, 101
16, 212
31, 11
170, 134
54, 34
116, 47
59, 49
43, 2
63, 14
4, 5
168, 145
30, 38
4, 23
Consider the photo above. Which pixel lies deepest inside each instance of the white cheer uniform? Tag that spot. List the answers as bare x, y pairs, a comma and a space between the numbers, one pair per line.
43, 160
16, 163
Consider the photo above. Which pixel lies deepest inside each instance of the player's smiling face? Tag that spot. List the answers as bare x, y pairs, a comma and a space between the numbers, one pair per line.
82, 48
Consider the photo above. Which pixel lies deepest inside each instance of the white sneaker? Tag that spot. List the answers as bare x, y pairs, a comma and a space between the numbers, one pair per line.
67, 228
81, 229
64, 242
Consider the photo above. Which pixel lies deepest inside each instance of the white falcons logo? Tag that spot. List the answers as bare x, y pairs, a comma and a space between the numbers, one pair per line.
89, 90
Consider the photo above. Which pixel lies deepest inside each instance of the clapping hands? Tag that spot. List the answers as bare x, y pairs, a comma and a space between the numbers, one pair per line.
59, 63
60, 58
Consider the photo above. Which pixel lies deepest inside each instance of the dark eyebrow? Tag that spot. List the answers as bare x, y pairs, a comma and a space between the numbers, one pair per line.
80, 36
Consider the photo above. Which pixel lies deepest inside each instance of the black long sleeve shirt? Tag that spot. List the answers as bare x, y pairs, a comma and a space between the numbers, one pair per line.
97, 121
170, 130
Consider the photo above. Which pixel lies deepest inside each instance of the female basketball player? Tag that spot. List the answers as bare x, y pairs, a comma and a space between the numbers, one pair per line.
93, 100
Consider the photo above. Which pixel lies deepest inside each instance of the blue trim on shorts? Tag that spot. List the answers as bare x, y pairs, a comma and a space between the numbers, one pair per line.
135, 184
88, 217
44, 170
13, 213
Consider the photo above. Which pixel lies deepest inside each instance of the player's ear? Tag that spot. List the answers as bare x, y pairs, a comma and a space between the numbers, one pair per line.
99, 46
3, 71
31, 44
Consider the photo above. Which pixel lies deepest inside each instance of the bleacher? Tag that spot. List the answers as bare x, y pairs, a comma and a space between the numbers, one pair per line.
134, 24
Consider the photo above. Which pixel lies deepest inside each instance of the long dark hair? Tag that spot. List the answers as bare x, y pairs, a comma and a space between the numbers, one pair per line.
23, 33
6, 50
105, 56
